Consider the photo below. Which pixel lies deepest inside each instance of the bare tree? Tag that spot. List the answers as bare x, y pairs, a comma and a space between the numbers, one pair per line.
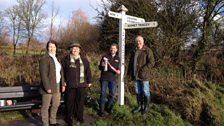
54, 13
177, 19
1, 25
211, 9
30, 11
15, 21
75, 25
4, 31
79, 29
1, 20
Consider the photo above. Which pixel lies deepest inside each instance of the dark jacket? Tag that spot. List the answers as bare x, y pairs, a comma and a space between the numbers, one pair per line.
109, 74
72, 74
145, 61
48, 74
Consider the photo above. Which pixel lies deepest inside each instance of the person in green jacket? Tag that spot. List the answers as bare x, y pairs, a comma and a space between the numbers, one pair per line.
141, 61
52, 84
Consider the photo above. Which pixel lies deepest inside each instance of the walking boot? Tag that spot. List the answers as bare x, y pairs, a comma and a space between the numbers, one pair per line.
109, 107
101, 113
139, 107
69, 121
146, 105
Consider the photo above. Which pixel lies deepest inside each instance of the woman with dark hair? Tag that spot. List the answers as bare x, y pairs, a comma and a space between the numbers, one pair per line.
52, 84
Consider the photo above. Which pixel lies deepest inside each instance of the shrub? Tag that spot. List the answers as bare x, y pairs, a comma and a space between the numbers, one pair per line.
19, 70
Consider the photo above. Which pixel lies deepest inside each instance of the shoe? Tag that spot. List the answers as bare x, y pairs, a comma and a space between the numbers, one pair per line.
101, 112
146, 105
139, 103
109, 108
69, 121
138, 109
69, 124
80, 120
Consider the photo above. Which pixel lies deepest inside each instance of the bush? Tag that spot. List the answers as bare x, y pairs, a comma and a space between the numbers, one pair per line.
19, 70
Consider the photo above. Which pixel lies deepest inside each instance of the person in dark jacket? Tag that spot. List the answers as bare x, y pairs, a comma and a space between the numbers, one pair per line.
109, 66
141, 61
77, 77
52, 83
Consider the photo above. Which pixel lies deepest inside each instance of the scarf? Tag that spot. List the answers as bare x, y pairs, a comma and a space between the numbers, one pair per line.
72, 60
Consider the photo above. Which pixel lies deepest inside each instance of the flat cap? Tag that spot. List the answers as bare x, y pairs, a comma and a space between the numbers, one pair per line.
75, 44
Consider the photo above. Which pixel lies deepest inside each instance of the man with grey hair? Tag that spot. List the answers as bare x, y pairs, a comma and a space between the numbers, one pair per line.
141, 61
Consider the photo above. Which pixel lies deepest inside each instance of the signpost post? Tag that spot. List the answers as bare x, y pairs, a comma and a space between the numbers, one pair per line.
126, 22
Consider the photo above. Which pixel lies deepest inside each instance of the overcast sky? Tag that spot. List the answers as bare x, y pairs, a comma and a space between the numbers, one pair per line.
65, 8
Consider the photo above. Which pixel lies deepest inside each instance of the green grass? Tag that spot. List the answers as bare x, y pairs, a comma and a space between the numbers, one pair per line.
20, 51
159, 115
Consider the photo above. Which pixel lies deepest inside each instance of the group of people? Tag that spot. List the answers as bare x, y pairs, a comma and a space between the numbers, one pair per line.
72, 75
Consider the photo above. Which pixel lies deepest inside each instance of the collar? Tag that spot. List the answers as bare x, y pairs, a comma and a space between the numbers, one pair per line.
142, 49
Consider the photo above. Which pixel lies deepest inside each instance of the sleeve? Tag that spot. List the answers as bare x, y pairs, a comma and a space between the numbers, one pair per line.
62, 76
130, 65
64, 66
100, 66
118, 64
44, 70
88, 73
150, 62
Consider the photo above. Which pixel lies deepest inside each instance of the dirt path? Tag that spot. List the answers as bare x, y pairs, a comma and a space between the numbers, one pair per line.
36, 121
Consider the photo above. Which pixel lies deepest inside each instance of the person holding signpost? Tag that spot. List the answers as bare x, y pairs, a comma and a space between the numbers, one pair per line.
52, 83
141, 61
109, 66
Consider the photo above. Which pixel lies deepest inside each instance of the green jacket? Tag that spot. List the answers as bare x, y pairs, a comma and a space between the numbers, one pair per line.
145, 61
48, 75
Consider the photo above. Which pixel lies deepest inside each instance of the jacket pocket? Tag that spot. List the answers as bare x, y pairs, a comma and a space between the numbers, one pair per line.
143, 74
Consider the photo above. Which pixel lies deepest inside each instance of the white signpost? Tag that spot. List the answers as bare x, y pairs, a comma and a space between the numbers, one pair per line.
114, 14
132, 19
141, 25
126, 22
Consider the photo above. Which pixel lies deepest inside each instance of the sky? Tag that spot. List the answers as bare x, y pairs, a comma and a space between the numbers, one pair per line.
66, 7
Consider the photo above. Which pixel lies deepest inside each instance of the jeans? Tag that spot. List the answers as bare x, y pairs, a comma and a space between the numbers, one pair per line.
142, 88
112, 89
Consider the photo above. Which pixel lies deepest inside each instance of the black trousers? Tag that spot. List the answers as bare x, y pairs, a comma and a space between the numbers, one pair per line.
74, 101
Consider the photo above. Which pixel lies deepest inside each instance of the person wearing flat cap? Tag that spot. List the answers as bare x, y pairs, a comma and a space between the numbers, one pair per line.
77, 75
